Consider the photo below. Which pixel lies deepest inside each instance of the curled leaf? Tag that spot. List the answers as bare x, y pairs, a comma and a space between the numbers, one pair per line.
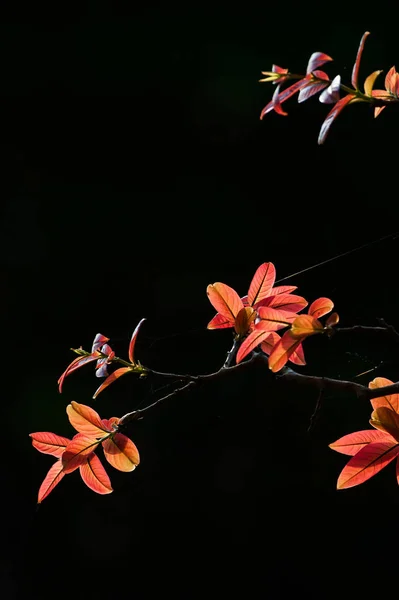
320, 307
133, 341
306, 325
111, 378
121, 453
355, 71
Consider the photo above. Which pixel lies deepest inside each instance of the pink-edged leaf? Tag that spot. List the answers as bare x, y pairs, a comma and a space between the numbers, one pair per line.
99, 341
287, 93
268, 344
52, 479
316, 60
367, 462
95, 476
133, 341
85, 420
355, 71
298, 357
387, 420
77, 451
272, 319
111, 378
282, 351
311, 90
282, 289
392, 81
351, 443
334, 112
262, 283
276, 102
306, 325
102, 367
287, 302
244, 320
225, 300
389, 401
320, 307
331, 94
251, 341
369, 82
121, 453
219, 322
78, 362
49, 443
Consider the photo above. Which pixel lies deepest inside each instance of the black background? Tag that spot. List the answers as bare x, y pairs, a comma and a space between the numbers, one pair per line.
135, 171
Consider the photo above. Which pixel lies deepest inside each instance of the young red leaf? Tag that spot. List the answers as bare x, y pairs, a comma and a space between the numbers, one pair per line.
317, 59
133, 341
85, 420
49, 443
244, 319
284, 95
306, 325
220, 322
353, 442
255, 338
283, 350
111, 378
331, 94
392, 82
390, 401
367, 462
78, 362
298, 356
225, 300
320, 307
387, 420
334, 112
282, 289
52, 479
272, 319
262, 283
77, 451
268, 344
99, 341
95, 476
121, 453
287, 302
355, 71
276, 102
314, 87
332, 320
369, 82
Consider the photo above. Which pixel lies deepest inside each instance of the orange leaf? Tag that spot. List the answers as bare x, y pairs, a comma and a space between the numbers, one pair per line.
332, 320
390, 401
133, 341
320, 307
369, 82
95, 476
52, 479
244, 319
111, 378
283, 350
272, 319
225, 300
355, 71
268, 344
298, 357
121, 453
367, 462
219, 322
255, 338
334, 112
306, 325
78, 362
387, 420
77, 451
49, 443
282, 289
288, 302
262, 283
353, 442
85, 420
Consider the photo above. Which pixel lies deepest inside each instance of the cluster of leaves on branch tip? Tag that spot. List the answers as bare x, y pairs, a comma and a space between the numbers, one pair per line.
316, 81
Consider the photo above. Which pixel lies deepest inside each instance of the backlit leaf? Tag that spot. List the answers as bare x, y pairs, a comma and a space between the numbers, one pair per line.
99, 341
367, 462
225, 300
390, 401
85, 419
49, 443
121, 453
334, 112
392, 81
320, 307
332, 320
283, 350
262, 283
255, 338
268, 344
285, 94
220, 322
95, 476
133, 341
353, 442
78, 362
306, 325
331, 94
282, 289
355, 71
52, 479
317, 59
369, 82
111, 378
77, 451
387, 420
272, 319
298, 357
244, 319
288, 302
